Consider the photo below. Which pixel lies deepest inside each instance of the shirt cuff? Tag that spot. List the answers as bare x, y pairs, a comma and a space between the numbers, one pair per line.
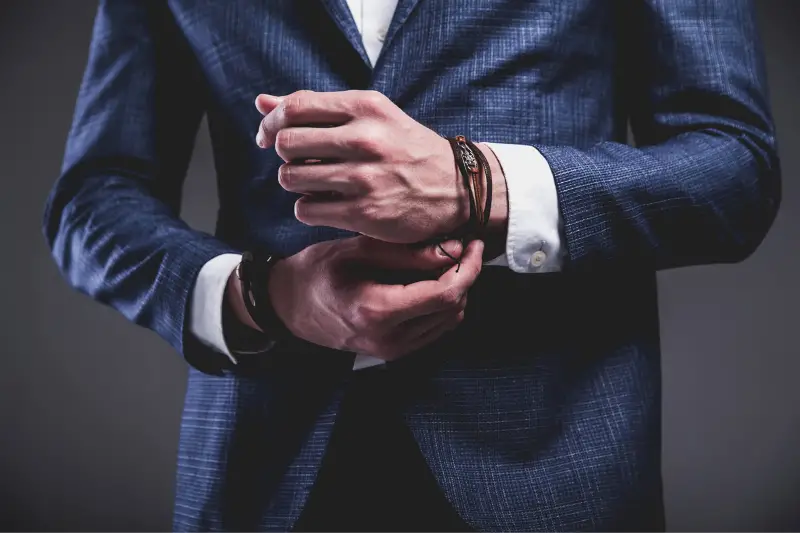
533, 243
207, 302
366, 361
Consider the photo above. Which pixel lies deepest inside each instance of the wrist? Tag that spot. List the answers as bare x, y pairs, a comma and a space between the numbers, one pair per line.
235, 300
498, 218
277, 280
461, 197
497, 228
257, 273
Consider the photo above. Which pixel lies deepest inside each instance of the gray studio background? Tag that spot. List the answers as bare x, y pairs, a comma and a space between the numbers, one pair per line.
90, 405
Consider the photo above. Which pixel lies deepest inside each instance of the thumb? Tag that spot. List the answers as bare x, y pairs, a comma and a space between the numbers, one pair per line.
392, 256
265, 103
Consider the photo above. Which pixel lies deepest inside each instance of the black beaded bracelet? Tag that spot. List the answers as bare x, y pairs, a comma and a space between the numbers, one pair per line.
253, 273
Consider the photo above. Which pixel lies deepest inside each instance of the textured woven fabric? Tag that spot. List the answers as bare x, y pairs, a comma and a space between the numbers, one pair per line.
543, 410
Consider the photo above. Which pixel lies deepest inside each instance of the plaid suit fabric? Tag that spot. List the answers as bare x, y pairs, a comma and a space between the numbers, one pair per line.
543, 410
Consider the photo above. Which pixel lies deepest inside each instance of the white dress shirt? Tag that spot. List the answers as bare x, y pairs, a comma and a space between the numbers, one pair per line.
533, 242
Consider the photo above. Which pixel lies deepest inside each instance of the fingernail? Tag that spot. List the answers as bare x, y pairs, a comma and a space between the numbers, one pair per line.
260, 140
451, 247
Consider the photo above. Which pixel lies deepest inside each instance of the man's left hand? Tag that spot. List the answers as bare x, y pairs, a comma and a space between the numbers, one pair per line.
363, 165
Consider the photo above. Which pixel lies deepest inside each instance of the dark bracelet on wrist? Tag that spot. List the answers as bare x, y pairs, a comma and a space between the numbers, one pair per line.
474, 169
476, 175
253, 273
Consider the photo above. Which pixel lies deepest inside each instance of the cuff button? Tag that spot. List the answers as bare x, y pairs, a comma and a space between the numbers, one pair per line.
538, 259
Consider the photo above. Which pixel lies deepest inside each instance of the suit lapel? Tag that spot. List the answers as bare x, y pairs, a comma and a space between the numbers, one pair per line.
340, 13
401, 14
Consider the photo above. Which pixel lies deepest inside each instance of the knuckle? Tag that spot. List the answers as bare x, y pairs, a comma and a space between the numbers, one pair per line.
285, 140
476, 269
367, 141
359, 321
476, 266
291, 108
285, 174
472, 273
363, 175
369, 211
293, 105
374, 99
450, 298
369, 317
367, 103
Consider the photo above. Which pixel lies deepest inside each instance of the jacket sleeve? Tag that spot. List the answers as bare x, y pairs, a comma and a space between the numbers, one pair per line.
702, 184
112, 218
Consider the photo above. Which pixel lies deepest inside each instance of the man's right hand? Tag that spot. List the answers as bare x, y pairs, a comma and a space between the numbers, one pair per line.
326, 295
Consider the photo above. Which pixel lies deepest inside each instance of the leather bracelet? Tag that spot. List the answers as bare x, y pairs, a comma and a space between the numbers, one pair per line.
462, 159
486, 171
473, 167
253, 273
475, 164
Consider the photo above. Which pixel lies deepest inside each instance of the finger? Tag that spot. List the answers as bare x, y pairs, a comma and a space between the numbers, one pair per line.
265, 103
430, 296
301, 143
319, 177
391, 256
333, 212
463, 276
304, 108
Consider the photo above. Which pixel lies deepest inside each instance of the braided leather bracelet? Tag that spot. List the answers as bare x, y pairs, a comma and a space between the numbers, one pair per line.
474, 169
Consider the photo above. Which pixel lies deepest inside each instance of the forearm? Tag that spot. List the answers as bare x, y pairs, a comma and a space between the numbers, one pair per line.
699, 198
113, 217
703, 184
702, 197
114, 241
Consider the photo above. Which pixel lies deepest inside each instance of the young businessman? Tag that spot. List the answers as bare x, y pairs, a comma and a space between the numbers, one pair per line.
346, 377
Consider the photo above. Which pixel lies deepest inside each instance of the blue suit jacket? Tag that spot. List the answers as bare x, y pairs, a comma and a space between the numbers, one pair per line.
543, 410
